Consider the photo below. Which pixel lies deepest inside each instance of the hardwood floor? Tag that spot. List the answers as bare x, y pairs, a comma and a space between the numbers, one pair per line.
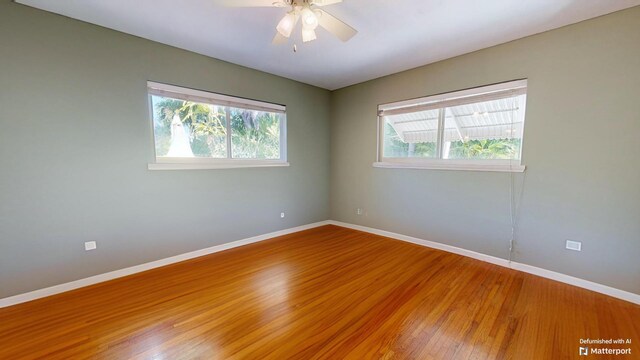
325, 293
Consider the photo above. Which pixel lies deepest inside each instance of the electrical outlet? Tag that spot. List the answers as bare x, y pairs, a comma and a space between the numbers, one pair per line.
90, 245
574, 245
282, 215
359, 211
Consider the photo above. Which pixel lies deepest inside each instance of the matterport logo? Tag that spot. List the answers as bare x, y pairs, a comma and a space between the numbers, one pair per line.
604, 350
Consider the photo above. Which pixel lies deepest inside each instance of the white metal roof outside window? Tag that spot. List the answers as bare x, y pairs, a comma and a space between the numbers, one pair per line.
475, 129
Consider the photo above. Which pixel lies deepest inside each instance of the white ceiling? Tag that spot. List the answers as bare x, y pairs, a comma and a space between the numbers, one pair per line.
394, 35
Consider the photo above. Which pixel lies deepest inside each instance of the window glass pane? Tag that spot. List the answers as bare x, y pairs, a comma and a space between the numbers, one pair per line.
412, 135
188, 129
255, 134
484, 130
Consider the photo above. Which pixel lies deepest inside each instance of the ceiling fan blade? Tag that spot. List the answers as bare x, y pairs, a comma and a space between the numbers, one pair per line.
338, 28
247, 3
325, 2
279, 39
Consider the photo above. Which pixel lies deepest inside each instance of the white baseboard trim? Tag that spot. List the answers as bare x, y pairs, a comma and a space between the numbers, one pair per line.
57, 289
589, 285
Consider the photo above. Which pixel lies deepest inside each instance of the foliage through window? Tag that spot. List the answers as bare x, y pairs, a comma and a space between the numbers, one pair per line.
196, 127
476, 129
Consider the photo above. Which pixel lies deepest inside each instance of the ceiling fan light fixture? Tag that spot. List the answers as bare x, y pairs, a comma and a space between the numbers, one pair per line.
311, 12
309, 18
308, 35
286, 25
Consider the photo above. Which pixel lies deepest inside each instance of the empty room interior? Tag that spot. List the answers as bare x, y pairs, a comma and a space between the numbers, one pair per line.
319, 179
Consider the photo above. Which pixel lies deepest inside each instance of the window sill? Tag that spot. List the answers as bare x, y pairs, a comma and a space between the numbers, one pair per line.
452, 166
233, 164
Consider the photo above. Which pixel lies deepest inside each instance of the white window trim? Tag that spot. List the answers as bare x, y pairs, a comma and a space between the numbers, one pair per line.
442, 101
176, 163
454, 98
182, 164
445, 164
182, 93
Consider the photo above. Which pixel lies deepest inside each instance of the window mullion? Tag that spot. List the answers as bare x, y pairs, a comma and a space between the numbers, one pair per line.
228, 114
440, 141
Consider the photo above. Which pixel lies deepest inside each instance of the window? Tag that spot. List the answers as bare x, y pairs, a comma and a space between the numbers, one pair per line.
476, 129
200, 130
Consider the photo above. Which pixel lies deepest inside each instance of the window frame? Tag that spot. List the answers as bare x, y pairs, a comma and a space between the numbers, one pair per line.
206, 97
441, 102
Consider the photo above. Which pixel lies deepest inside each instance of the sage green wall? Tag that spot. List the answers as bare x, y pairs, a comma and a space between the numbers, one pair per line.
580, 148
75, 140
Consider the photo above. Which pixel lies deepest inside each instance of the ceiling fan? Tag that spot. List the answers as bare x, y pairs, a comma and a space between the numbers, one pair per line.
306, 10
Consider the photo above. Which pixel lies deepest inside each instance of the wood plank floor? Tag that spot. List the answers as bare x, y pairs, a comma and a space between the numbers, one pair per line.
325, 293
